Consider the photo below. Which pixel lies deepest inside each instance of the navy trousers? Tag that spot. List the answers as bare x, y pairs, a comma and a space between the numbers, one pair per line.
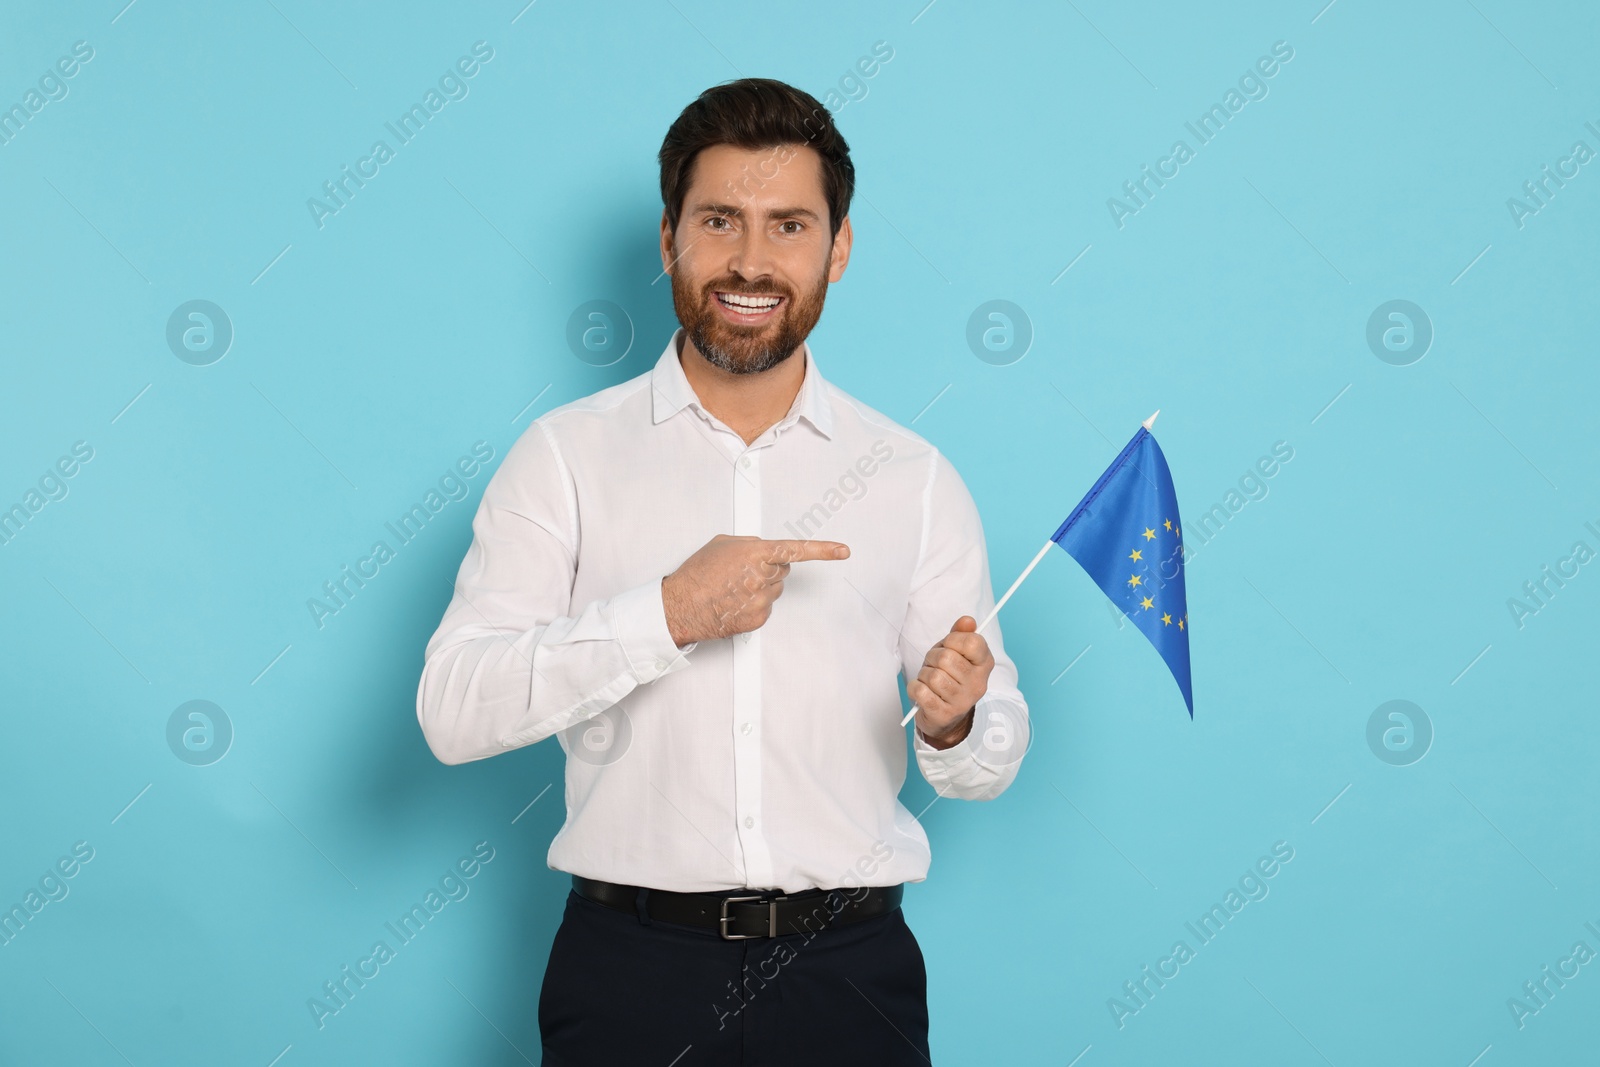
622, 990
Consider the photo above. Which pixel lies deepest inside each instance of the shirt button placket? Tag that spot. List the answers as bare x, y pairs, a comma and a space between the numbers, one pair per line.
746, 710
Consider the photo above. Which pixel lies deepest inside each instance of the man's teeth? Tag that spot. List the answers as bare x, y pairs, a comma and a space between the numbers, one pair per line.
752, 303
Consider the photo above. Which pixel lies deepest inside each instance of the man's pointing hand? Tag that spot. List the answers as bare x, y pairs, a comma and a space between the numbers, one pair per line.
727, 587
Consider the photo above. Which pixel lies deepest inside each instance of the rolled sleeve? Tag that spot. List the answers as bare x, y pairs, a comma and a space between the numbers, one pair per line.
981, 765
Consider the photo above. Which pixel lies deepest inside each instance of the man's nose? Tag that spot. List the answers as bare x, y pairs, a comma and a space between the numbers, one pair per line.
753, 256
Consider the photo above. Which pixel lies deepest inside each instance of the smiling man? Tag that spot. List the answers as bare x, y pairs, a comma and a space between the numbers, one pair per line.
733, 830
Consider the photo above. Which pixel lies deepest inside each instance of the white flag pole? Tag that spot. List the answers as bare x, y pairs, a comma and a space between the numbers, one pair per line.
987, 619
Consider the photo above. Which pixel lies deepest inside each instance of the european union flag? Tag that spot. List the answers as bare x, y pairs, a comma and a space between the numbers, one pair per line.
1126, 533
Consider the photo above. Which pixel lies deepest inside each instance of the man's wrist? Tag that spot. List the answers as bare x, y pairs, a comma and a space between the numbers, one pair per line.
956, 734
669, 608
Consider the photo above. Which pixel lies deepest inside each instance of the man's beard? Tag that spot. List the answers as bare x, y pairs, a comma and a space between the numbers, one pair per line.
746, 349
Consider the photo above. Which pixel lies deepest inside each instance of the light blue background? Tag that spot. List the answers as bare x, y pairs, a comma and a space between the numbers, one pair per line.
431, 311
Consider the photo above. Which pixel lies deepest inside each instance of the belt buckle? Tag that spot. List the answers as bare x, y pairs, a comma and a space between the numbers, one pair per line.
723, 918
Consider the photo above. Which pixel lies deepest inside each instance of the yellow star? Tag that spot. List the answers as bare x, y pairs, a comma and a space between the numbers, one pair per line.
1147, 603
1149, 534
1135, 580
1168, 524
1165, 618
1178, 532
1135, 554
1180, 623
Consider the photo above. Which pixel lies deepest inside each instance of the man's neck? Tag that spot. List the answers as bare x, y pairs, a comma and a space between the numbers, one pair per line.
748, 403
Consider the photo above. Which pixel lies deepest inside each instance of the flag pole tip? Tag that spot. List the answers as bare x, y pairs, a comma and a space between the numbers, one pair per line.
1151, 421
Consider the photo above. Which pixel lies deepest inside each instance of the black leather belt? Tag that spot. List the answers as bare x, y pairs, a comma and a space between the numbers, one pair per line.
740, 914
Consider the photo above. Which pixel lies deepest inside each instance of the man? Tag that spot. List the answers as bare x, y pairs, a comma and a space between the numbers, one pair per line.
733, 761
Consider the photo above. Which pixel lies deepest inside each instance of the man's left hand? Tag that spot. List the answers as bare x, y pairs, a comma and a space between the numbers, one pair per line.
953, 676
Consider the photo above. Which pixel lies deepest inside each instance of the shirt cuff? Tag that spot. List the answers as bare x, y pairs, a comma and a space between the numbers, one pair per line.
640, 618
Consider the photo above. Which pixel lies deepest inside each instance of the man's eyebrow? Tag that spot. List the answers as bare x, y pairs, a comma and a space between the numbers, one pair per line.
775, 213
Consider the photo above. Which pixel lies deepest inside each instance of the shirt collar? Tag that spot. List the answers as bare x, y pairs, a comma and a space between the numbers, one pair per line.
671, 391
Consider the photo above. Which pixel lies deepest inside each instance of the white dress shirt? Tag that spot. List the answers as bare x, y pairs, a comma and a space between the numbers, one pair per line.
772, 758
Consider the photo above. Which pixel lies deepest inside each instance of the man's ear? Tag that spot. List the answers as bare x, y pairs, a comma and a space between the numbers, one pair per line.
839, 254
666, 243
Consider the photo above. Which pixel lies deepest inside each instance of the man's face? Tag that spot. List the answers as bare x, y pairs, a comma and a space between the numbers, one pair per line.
753, 232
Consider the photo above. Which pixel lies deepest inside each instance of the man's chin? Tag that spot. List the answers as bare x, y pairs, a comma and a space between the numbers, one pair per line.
746, 362
742, 358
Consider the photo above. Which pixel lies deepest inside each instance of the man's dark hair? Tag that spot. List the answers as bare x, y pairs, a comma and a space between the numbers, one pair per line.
753, 114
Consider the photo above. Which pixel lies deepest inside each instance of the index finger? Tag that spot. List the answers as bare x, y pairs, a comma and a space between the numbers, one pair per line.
796, 551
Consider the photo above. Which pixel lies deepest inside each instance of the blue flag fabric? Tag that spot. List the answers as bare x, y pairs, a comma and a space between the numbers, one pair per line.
1126, 534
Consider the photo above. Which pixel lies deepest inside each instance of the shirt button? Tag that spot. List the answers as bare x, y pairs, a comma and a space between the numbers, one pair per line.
748, 822
661, 664
744, 462
746, 728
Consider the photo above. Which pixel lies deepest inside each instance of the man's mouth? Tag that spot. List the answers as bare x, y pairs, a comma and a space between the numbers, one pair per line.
743, 307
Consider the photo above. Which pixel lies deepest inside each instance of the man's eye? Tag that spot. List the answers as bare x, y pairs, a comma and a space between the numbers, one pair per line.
715, 219
795, 223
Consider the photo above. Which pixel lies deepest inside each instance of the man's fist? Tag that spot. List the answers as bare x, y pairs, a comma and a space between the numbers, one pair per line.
953, 676
728, 586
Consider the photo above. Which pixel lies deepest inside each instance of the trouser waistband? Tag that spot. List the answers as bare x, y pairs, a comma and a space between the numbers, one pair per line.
740, 914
